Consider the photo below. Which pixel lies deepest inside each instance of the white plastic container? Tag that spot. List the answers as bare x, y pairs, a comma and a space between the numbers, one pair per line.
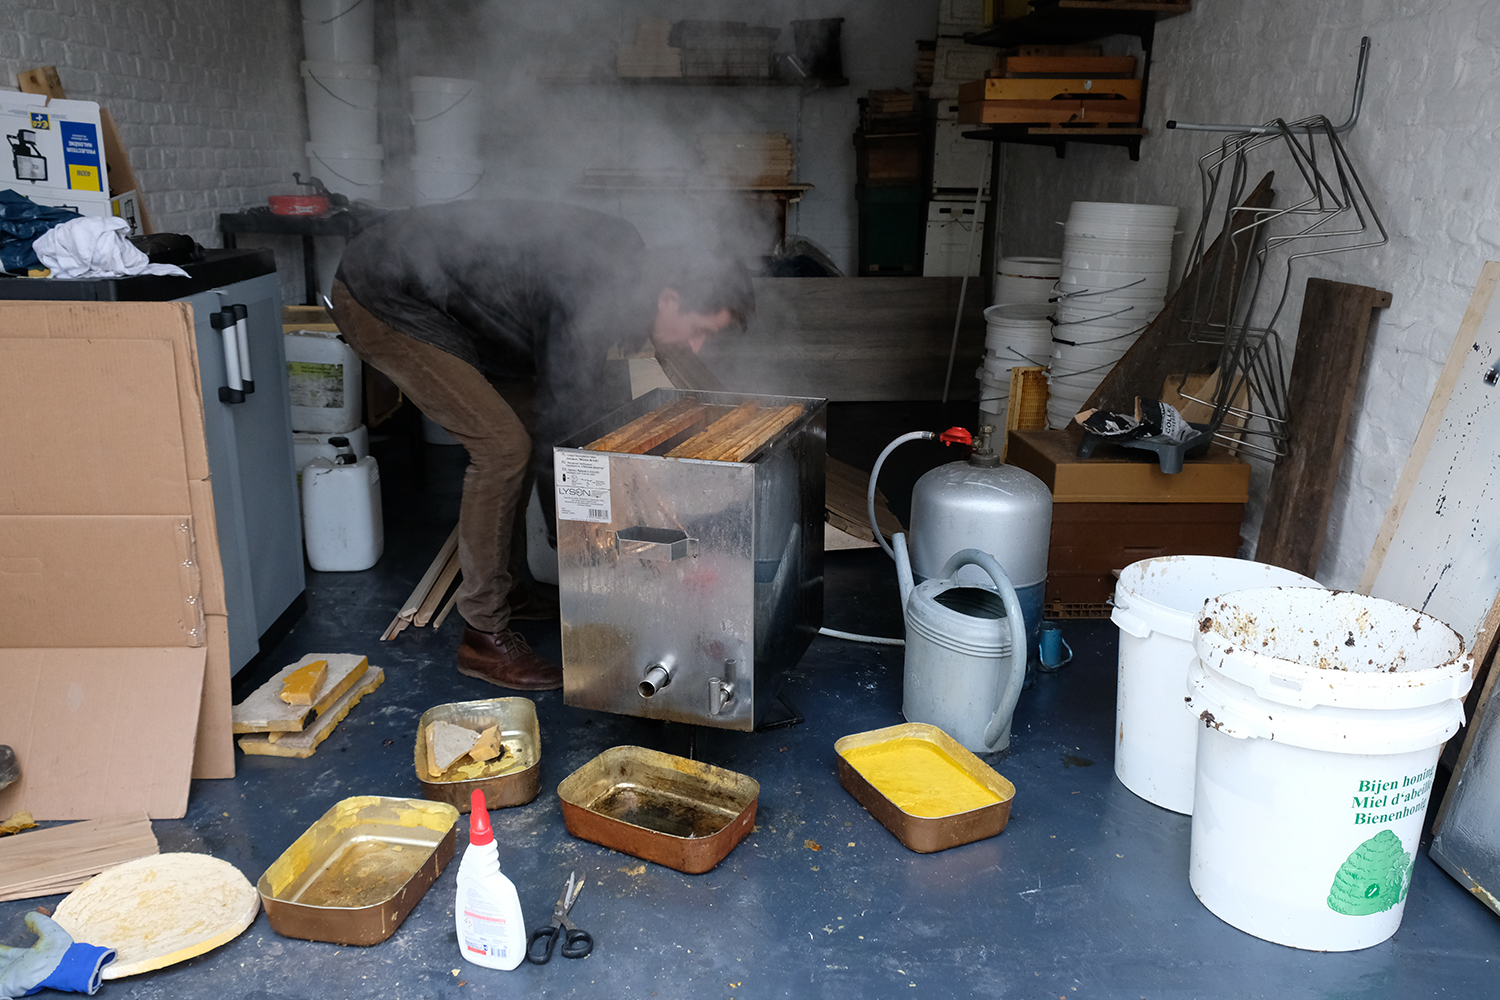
445, 116
439, 179
325, 379
1158, 603
342, 518
352, 171
1026, 279
307, 446
341, 103
487, 911
338, 30
1323, 715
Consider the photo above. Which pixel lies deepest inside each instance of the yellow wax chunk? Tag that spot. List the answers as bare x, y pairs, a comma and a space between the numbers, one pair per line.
299, 688
919, 778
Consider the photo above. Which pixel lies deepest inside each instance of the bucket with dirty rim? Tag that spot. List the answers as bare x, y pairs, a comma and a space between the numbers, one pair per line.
1322, 716
1157, 606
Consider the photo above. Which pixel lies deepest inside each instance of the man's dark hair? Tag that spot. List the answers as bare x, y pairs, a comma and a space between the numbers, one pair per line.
706, 282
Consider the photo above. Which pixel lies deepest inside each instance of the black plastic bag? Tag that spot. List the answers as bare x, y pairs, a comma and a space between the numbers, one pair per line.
21, 222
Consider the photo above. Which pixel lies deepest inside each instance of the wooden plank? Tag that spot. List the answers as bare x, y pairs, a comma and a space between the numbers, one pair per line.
713, 438
1055, 112
1479, 700
1162, 348
1468, 331
865, 339
447, 608
1047, 89
42, 80
1095, 67
1336, 319
419, 592
846, 493
687, 370
646, 432
57, 859
1443, 556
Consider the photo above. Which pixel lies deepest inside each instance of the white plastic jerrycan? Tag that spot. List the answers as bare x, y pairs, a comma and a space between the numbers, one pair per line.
965, 651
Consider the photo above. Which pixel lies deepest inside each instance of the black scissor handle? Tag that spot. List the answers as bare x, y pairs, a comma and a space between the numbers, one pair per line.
546, 937
577, 943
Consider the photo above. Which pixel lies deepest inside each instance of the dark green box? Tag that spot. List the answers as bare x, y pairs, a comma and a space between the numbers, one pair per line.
892, 229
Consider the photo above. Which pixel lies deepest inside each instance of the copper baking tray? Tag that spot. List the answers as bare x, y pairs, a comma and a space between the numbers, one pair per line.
680, 813
928, 833
356, 873
518, 783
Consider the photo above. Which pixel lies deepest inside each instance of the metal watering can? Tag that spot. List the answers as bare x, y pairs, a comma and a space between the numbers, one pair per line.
965, 650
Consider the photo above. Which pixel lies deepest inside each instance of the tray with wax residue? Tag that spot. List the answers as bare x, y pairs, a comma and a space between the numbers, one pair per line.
923, 786
676, 812
354, 875
513, 779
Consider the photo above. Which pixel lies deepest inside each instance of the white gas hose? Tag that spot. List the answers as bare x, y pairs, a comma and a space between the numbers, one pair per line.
875, 476
856, 637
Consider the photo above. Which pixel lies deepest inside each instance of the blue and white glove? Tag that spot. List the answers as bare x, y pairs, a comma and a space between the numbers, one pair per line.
56, 962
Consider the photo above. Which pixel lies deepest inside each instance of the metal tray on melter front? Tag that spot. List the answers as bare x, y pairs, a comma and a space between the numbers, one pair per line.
680, 813
517, 775
354, 875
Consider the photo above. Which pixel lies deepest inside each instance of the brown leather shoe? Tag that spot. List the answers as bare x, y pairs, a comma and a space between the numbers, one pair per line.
534, 604
504, 659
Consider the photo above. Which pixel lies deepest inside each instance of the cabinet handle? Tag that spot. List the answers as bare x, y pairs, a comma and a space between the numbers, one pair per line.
233, 390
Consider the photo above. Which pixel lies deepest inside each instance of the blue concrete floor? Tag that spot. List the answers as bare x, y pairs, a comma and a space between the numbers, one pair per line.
1085, 894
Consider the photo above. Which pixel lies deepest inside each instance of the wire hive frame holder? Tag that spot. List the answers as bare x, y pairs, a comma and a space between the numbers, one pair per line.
1332, 215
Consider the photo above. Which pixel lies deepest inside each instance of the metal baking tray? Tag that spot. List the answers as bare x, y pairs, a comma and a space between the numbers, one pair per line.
356, 873
680, 813
926, 834
521, 737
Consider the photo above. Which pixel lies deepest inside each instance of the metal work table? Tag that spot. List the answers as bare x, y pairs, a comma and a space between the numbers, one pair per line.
1084, 895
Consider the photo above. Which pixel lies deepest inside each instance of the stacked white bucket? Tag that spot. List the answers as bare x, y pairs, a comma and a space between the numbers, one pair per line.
445, 115
1018, 328
342, 84
1116, 259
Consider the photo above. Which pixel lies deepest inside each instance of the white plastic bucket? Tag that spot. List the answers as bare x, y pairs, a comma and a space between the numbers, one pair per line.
1025, 279
1158, 603
445, 115
1122, 213
338, 31
1324, 714
438, 179
325, 381
353, 171
341, 103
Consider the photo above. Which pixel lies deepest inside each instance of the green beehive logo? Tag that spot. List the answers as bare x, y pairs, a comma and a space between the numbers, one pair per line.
1373, 879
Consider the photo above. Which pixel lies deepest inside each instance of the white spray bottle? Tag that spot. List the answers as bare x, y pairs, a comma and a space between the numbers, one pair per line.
487, 911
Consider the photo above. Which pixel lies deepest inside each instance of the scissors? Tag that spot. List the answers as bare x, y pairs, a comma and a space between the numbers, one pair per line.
577, 943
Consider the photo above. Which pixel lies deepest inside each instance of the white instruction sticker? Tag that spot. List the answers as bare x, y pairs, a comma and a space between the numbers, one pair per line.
582, 486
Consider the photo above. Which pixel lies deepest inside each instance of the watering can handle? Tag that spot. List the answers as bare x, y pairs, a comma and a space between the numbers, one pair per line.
1011, 693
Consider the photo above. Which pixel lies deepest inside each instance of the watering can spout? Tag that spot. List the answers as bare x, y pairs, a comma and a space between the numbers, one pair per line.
903, 566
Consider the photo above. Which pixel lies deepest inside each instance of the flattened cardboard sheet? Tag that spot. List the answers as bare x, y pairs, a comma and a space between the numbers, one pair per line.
100, 732
99, 581
91, 427
97, 321
213, 753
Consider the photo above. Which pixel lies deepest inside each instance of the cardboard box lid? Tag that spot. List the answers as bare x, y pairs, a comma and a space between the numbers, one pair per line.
100, 321
85, 580
91, 427
1113, 475
100, 732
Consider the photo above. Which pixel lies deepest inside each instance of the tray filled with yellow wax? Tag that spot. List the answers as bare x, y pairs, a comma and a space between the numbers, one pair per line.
923, 786
494, 745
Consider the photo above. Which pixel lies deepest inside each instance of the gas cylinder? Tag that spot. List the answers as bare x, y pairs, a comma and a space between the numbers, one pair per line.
981, 504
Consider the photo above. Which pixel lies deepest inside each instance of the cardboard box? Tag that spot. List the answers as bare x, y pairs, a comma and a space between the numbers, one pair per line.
108, 555
56, 152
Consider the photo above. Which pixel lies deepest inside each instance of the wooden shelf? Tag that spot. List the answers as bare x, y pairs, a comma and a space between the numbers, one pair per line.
602, 79
1058, 137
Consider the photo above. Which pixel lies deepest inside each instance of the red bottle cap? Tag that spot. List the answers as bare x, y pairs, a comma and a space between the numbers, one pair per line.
479, 820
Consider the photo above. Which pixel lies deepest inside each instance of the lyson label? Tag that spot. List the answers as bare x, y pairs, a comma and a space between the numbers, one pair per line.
80, 142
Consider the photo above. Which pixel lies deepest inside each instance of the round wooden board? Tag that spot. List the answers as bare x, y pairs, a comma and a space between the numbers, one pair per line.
160, 910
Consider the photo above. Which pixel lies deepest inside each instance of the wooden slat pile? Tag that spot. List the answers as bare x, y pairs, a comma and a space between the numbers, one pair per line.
426, 597
847, 502
60, 858
733, 437
646, 432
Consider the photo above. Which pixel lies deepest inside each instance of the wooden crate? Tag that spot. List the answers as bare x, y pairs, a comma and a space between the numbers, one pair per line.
1049, 90
1063, 112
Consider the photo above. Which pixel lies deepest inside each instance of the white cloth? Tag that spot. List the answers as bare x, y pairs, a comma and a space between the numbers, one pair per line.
95, 247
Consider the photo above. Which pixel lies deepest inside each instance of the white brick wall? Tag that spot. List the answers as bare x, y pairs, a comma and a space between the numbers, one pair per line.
1426, 147
206, 94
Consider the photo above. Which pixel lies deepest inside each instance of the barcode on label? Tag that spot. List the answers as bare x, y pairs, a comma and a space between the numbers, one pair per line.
597, 512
